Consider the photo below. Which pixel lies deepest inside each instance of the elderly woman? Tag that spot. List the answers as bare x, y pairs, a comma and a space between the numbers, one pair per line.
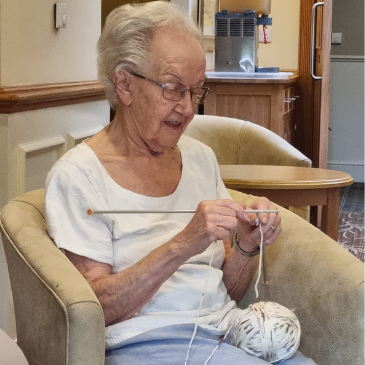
150, 271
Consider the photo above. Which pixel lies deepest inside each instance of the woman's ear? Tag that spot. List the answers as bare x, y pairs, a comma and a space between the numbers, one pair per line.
121, 79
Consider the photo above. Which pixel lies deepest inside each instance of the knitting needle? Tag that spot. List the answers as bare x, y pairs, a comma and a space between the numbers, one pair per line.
92, 212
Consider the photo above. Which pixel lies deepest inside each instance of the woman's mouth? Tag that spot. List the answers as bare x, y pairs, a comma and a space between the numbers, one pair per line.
173, 124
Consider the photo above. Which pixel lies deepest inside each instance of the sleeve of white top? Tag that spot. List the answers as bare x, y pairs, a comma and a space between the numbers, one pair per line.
69, 193
222, 192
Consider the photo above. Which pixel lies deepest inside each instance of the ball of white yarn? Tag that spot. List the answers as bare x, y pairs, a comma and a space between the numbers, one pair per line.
267, 330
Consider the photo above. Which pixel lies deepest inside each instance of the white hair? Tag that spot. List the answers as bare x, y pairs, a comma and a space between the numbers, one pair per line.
125, 39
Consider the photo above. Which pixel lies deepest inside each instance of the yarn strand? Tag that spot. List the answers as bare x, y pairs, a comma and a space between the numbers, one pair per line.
200, 305
261, 259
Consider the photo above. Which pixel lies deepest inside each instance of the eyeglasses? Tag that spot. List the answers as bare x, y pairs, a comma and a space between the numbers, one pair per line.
175, 91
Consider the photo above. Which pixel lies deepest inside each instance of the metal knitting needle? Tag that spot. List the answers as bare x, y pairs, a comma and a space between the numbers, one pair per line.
92, 212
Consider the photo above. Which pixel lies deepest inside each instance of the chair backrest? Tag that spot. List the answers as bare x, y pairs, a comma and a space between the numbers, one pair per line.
239, 142
58, 317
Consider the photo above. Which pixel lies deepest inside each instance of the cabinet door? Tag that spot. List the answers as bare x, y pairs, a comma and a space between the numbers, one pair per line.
262, 104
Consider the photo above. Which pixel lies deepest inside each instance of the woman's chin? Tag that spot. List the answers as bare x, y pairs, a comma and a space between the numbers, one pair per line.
163, 146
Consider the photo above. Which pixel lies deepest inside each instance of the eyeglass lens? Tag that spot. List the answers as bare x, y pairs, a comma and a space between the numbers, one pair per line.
175, 91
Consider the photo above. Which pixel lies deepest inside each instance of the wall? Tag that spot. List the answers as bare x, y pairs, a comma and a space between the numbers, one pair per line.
348, 19
346, 134
33, 53
282, 52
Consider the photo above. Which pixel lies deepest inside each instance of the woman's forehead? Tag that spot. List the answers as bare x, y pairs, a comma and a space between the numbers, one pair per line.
172, 53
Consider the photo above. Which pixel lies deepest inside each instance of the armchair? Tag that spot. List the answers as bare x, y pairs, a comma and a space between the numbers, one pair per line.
60, 322
239, 142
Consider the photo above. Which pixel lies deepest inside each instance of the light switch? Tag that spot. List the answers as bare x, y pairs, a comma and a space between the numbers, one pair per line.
60, 15
336, 37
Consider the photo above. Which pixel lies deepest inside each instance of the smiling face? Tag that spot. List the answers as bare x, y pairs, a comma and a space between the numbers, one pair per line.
158, 123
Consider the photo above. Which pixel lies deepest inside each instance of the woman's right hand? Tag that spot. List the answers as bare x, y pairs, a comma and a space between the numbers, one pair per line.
212, 221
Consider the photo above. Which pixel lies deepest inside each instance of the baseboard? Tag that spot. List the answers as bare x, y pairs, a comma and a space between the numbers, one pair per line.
356, 170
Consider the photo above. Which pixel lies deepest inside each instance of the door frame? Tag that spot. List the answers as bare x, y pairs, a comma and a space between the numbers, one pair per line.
312, 128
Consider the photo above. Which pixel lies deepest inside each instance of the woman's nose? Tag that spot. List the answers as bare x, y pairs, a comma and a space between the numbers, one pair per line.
186, 104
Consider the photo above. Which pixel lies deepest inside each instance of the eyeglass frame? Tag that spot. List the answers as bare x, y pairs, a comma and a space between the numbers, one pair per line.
206, 89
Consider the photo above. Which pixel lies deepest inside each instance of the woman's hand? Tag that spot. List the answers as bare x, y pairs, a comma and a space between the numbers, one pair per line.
213, 220
248, 233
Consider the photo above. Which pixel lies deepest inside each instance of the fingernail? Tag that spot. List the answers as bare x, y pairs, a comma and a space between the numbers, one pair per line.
264, 220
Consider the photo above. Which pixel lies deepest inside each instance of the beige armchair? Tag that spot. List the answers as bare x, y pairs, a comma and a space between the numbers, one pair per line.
239, 142
59, 320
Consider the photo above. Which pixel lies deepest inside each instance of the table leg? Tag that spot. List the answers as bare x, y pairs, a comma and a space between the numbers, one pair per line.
330, 213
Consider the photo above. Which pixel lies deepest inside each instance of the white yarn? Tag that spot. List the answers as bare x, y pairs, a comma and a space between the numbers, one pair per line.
267, 330
200, 305
261, 258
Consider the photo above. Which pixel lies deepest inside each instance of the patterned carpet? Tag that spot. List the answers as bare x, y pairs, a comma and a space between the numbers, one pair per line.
351, 222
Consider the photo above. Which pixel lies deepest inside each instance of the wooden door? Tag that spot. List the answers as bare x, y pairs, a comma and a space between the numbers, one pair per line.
313, 127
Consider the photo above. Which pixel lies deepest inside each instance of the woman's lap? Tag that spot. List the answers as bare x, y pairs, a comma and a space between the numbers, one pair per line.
169, 346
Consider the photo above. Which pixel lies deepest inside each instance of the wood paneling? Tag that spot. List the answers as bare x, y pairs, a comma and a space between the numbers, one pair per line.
27, 150
21, 98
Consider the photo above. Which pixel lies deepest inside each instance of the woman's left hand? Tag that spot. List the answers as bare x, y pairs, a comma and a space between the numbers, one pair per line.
248, 233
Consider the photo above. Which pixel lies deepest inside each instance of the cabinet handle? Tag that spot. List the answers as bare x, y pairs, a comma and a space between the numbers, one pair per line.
314, 21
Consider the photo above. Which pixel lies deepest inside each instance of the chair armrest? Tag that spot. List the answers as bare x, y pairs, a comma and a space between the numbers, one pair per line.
323, 283
59, 319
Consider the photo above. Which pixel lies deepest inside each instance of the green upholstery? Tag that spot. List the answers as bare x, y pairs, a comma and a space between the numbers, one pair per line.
59, 320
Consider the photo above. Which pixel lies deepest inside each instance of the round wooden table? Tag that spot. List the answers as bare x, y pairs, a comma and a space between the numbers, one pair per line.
292, 186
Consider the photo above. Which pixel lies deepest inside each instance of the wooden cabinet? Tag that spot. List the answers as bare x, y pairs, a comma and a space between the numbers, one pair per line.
271, 103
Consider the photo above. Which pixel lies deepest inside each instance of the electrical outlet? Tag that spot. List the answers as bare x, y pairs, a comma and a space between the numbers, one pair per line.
261, 34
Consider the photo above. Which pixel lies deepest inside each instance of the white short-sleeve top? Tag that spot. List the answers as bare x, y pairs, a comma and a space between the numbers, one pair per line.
78, 181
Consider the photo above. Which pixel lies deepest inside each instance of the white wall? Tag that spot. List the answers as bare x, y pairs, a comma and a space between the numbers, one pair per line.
33, 51
346, 134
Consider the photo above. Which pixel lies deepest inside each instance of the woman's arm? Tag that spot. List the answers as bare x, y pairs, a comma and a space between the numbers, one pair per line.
123, 294
237, 268
237, 271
